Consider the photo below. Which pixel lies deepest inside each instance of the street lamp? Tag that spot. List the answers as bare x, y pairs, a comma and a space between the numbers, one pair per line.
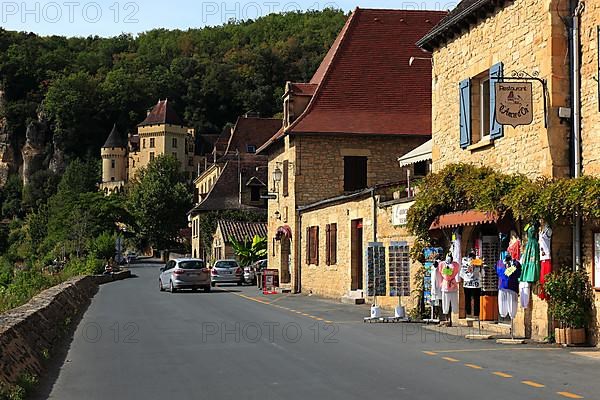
277, 175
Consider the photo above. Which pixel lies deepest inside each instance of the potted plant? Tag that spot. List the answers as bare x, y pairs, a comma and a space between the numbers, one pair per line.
570, 300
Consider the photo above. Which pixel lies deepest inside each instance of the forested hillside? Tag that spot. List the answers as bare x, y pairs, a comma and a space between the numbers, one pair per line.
69, 91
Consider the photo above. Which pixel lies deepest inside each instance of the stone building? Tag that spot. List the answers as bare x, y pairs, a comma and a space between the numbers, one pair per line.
482, 42
222, 247
236, 179
161, 133
343, 131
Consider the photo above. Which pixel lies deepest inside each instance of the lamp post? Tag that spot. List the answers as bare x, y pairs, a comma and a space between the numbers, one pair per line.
277, 175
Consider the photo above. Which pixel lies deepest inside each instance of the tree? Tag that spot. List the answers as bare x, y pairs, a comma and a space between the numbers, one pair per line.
158, 200
250, 251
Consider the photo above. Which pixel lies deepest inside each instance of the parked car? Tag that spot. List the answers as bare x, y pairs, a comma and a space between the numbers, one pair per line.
226, 271
131, 256
184, 273
251, 272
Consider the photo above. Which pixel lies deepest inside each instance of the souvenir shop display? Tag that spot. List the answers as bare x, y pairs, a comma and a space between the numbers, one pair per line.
470, 275
448, 270
508, 272
431, 281
376, 276
399, 274
530, 264
545, 257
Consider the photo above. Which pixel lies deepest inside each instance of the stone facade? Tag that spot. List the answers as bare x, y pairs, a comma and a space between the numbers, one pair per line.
525, 35
335, 281
316, 172
590, 124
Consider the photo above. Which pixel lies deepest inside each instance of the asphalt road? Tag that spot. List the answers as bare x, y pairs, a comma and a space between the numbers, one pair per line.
135, 342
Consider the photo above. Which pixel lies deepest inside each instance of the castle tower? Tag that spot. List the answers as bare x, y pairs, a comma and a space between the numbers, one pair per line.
114, 162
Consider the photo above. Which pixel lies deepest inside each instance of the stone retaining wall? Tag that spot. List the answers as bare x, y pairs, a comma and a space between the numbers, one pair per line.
29, 333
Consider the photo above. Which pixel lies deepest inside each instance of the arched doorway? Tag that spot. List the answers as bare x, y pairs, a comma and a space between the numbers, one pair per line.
285, 261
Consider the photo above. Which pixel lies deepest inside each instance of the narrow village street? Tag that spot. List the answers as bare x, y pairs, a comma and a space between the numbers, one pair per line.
236, 343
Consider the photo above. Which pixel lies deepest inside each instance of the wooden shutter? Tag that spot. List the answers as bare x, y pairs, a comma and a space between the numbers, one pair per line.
286, 165
333, 244
316, 244
496, 130
465, 113
328, 244
308, 239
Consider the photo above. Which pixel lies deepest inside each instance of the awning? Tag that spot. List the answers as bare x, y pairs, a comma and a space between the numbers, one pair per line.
283, 232
464, 218
421, 153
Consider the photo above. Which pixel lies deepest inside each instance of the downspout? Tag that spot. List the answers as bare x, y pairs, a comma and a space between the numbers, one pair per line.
298, 260
576, 91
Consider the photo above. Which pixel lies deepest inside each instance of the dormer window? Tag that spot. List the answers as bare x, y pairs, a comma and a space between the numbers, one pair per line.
251, 149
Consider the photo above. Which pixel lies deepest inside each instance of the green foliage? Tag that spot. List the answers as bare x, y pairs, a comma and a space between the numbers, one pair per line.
42, 185
570, 297
250, 251
12, 197
159, 199
208, 223
461, 187
103, 247
212, 75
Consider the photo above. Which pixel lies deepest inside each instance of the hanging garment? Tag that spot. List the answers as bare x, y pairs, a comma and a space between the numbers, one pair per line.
448, 274
545, 243
507, 303
436, 284
470, 274
531, 258
524, 291
546, 268
514, 249
456, 245
472, 294
449, 301
508, 280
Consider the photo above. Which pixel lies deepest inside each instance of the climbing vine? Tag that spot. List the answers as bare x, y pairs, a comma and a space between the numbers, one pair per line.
461, 187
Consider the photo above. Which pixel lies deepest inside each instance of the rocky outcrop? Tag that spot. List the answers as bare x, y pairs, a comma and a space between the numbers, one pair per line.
34, 150
8, 163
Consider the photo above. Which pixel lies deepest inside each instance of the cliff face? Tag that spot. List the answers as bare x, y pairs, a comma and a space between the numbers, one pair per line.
8, 163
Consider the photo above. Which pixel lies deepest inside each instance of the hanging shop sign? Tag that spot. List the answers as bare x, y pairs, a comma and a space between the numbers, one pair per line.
399, 213
514, 103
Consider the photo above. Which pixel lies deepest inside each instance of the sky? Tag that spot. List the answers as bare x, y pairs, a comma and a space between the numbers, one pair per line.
113, 17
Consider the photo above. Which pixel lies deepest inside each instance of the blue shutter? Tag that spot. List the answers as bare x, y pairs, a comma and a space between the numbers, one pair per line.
465, 113
496, 130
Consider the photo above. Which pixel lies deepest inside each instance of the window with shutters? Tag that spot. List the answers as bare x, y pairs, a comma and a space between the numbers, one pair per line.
151, 156
174, 144
477, 106
152, 143
331, 244
355, 173
312, 245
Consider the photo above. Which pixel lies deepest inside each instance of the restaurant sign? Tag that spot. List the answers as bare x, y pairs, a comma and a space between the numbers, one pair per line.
514, 103
400, 212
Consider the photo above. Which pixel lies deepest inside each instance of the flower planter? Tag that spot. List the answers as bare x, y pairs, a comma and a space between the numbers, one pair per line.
569, 336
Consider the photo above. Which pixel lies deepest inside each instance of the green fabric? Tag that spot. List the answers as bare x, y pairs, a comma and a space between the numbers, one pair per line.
531, 258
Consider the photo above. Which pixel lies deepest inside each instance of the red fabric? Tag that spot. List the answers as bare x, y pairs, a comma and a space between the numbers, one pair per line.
515, 250
546, 268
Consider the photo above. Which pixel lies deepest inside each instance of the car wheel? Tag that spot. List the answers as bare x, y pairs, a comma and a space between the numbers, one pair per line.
207, 289
160, 286
213, 284
194, 289
240, 283
172, 287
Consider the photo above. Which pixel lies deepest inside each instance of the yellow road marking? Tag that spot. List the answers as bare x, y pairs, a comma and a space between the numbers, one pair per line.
569, 395
328, 322
318, 319
430, 353
533, 384
450, 359
473, 366
498, 349
502, 374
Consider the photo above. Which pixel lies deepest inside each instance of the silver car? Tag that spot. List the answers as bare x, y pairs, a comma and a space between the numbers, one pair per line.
184, 273
226, 271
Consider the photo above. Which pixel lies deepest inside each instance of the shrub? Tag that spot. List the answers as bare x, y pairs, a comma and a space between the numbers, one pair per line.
570, 297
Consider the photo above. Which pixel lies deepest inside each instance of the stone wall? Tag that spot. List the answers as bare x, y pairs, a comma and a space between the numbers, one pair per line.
525, 35
29, 333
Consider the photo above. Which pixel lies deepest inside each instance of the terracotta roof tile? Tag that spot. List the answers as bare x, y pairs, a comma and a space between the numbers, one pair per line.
242, 231
162, 113
303, 89
252, 131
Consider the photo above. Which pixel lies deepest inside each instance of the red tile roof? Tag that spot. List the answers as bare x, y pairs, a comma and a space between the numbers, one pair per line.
365, 85
162, 113
303, 89
242, 231
252, 131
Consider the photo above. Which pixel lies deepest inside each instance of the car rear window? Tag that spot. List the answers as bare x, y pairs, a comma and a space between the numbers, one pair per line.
197, 264
226, 264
